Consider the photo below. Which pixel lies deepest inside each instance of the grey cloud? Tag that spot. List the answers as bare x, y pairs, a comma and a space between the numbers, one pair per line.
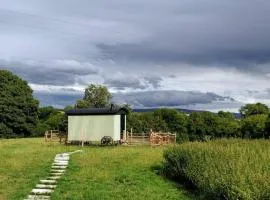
214, 33
59, 72
56, 100
134, 37
244, 60
265, 94
183, 99
154, 81
205, 32
167, 98
123, 81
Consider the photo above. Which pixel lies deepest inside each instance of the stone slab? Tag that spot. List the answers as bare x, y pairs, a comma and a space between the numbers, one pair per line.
58, 167
54, 177
38, 197
57, 170
41, 191
45, 186
48, 181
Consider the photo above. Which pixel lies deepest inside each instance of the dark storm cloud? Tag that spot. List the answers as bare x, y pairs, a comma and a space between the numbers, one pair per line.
167, 98
151, 53
65, 42
59, 72
206, 32
196, 32
141, 99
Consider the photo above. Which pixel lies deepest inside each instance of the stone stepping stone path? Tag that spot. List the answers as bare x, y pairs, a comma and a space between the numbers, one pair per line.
45, 187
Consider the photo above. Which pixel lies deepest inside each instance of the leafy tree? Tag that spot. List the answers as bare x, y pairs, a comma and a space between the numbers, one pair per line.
144, 122
45, 112
97, 96
63, 125
134, 122
56, 121
152, 122
5, 132
227, 127
18, 108
40, 129
176, 122
254, 126
227, 115
69, 107
254, 109
202, 125
267, 127
82, 104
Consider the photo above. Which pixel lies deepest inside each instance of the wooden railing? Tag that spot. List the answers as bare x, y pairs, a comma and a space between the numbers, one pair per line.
55, 136
152, 138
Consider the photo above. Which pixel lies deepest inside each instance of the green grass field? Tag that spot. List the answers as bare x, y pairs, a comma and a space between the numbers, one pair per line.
97, 173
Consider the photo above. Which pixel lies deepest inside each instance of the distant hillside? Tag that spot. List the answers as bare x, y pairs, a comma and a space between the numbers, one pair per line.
187, 111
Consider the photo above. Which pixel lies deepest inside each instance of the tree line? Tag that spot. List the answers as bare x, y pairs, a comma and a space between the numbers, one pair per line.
21, 116
201, 126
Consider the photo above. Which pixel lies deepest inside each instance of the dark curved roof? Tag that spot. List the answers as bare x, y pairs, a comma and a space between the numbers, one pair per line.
97, 111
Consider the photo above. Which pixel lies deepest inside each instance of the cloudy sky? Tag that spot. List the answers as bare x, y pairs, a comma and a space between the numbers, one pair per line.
196, 54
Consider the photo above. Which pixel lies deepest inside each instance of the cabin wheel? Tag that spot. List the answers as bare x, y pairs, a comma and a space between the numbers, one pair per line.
106, 140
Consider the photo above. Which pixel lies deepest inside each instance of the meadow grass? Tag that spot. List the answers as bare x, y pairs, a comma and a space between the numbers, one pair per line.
222, 169
97, 173
22, 163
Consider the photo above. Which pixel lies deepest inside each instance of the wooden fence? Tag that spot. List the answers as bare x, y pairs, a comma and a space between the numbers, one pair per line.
152, 138
55, 136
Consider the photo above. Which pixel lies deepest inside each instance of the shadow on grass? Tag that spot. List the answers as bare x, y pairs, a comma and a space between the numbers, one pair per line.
180, 183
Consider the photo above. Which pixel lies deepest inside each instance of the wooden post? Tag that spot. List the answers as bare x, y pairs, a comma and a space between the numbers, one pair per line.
45, 136
51, 136
131, 131
125, 133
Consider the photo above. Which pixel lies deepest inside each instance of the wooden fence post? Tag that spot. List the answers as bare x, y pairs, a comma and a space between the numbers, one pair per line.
131, 131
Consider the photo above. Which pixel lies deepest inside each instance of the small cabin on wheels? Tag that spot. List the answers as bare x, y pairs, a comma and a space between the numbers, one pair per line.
93, 124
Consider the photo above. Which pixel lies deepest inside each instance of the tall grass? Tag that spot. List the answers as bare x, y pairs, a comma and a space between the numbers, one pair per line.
222, 169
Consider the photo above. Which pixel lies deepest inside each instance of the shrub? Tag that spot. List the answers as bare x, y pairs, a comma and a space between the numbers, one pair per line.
222, 169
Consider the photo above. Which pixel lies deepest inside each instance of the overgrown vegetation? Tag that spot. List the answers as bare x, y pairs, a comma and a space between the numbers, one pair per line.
97, 173
222, 169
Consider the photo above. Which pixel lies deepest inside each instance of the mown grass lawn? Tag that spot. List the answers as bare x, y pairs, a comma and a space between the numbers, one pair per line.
97, 173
